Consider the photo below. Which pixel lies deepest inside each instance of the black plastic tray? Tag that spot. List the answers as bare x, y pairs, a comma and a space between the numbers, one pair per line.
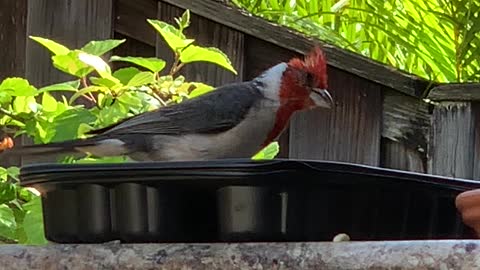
243, 200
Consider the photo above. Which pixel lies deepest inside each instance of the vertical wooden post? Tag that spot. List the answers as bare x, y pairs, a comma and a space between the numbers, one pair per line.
13, 16
454, 143
405, 132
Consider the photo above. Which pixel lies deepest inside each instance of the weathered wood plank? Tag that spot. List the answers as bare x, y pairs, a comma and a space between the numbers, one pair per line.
406, 120
131, 47
405, 132
397, 156
452, 140
13, 15
260, 55
349, 132
341, 59
131, 19
205, 33
456, 92
476, 159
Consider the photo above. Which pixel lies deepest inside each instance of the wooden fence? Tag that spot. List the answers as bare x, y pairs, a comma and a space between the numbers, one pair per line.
379, 118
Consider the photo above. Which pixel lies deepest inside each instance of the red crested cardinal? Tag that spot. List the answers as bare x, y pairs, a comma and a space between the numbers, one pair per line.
232, 121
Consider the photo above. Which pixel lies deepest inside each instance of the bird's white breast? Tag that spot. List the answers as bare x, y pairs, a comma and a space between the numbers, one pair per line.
242, 141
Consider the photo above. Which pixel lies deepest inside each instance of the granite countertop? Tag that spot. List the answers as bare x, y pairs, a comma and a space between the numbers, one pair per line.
432, 254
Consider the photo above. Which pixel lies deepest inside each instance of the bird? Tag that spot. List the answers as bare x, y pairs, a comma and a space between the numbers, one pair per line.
236, 120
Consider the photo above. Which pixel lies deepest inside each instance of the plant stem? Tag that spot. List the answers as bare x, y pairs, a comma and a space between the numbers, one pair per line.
180, 66
174, 68
11, 115
90, 95
157, 97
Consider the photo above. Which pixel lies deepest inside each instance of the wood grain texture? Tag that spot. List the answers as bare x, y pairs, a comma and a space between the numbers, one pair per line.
405, 119
72, 23
281, 36
261, 55
456, 92
405, 132
349, 132
476, 121
131, 47
452, 140
13, 16
207, 34
131, 19
396, 155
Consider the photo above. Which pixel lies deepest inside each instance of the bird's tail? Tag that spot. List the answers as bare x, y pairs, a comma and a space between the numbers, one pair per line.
50, 149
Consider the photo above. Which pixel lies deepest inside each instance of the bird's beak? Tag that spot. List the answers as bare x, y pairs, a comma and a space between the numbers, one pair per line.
321, 98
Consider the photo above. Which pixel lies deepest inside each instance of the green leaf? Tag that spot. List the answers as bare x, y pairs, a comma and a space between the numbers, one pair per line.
66, 124
86, 90
130, 98
142, 78
151, 63
174, 38
49, 103
112, 114
3, 174
83, 129
97, 63
8, 225
71, 64
196, 54
54, 47
200, 89
17, 87
5, 98
8, 192
24, 104
100, 47
184, 21
91, 160
25, 194
33, 222
64, 86
269, 152
111, 82
124, 75
13, 172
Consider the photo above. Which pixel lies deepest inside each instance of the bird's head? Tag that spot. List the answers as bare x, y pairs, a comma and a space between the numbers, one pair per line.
301, 83
305, 81
295, 86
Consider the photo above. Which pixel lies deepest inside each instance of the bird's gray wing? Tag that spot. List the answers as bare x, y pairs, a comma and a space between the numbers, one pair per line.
216, 111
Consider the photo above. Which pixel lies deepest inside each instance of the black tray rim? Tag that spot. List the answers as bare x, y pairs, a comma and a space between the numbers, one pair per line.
30, 174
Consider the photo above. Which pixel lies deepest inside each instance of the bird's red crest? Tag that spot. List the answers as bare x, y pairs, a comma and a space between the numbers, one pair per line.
316, 64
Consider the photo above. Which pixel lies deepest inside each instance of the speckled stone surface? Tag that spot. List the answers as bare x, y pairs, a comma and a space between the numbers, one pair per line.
440, 255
